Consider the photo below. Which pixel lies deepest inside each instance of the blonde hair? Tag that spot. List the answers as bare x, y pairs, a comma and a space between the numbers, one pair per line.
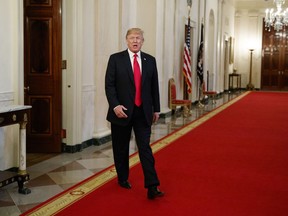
135, 30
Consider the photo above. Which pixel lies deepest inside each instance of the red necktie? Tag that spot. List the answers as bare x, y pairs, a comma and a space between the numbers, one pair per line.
137, 80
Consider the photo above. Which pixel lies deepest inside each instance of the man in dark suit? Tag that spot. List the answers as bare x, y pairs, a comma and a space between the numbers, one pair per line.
133, 106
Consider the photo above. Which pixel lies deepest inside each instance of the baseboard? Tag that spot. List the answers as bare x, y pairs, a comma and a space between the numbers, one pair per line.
165, 115
97, 142
103, 140
79, 147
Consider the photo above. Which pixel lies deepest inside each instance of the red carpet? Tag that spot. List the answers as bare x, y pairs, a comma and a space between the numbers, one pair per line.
234, 164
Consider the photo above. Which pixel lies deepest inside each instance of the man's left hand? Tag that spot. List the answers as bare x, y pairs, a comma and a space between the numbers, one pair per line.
155, 117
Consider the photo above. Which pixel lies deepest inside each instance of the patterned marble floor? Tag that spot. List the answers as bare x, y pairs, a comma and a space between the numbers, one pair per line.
58, 173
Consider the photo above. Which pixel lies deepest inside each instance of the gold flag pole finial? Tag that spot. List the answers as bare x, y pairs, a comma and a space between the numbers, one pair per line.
189, 5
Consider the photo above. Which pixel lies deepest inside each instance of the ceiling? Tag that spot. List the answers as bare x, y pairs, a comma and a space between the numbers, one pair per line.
249, 4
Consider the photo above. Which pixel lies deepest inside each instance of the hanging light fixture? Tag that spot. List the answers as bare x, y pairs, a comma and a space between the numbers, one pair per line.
278, 18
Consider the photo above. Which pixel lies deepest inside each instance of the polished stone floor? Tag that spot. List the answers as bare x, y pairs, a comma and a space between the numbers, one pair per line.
54, 175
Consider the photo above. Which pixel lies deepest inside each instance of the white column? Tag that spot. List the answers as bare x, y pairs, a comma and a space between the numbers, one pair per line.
22, 149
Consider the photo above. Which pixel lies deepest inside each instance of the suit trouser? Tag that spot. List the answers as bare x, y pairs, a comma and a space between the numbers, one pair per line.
120, 142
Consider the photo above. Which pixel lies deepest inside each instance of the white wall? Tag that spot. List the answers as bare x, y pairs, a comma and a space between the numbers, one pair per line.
109, 38
72, 76
227, 25
104, 35
92, 30
248, 34
11, 75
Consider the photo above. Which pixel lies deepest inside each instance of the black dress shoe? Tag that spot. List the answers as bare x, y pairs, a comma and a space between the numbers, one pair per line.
154, 192
125, 184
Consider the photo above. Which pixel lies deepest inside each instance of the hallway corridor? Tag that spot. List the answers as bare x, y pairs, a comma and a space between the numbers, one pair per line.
56, 174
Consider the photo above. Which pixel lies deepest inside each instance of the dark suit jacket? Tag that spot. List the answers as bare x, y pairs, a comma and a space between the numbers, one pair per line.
120, 88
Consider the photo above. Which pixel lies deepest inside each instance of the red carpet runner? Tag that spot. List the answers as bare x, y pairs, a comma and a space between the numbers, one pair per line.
231, 162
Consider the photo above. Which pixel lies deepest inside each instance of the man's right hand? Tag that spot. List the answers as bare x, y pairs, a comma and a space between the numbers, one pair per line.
119, 111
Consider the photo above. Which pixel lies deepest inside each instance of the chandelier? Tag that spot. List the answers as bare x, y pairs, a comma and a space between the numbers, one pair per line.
278, 18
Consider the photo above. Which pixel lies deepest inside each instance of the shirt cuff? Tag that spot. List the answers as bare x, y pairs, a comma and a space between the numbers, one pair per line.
116, 107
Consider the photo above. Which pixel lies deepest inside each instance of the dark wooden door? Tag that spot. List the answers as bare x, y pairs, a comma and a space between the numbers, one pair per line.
274, 72
284, 69
42, 74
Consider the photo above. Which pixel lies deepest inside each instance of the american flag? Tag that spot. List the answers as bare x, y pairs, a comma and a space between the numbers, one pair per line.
187, 60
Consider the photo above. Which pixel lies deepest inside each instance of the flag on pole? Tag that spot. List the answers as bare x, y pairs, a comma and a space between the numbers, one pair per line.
187, 60
200, 57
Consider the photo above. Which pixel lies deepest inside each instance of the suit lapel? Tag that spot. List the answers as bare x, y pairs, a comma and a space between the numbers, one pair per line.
130, 69
129, 66
144, 66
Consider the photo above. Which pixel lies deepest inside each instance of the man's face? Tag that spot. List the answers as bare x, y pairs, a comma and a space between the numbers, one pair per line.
134, 42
